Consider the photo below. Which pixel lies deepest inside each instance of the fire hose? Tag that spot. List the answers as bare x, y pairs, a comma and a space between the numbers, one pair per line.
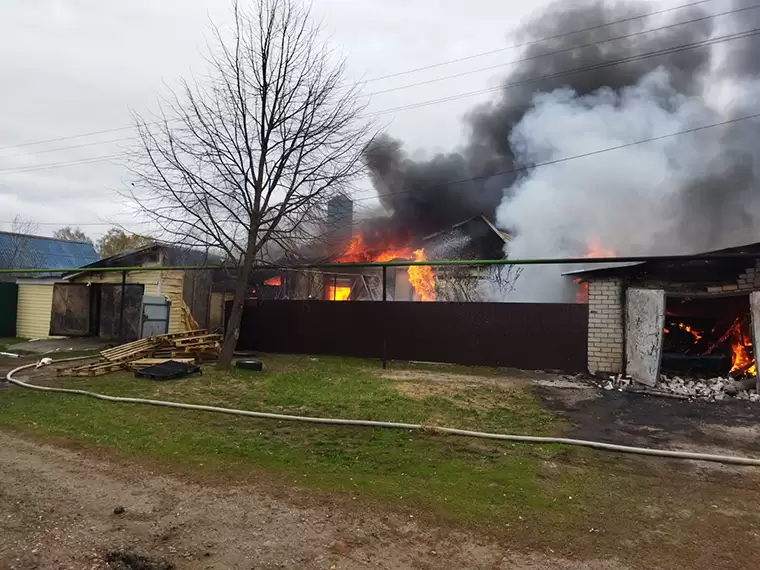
729, 459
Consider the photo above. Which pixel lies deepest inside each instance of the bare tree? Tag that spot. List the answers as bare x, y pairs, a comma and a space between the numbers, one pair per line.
20, 254
71, 234
249, 154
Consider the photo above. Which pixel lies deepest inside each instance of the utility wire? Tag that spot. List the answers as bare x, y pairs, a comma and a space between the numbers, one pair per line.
564, 50
667, 51
570, 158
536, 165
410, 71
581, 69
533, 42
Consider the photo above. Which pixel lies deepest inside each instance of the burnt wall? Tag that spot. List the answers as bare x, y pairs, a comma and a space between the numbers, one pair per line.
530, 336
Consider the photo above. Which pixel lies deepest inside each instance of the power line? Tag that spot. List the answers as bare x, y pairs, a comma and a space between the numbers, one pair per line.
111, 141
658, 53
560, 160
564, 50
410, 71
533, 42
676, 49
574, 157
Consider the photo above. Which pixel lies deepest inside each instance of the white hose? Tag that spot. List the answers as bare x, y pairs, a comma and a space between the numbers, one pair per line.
730, 459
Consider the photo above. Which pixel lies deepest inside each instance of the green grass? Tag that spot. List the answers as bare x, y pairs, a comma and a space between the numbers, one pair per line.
532, 494
455, 477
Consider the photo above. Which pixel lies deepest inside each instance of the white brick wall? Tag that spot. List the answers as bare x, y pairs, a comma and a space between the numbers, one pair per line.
605, 326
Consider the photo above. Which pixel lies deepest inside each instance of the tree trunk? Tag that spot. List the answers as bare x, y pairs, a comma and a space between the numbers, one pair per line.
233, 325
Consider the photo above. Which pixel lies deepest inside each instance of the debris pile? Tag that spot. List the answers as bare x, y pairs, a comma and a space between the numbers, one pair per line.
191, 347
711, 389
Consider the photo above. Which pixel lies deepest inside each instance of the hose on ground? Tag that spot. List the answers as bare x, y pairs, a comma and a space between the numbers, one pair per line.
727, 459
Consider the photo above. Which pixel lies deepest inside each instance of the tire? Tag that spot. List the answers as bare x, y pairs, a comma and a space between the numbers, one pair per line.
255, 365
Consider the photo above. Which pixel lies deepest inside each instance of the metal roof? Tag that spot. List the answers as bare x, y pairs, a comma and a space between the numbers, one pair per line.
21, 251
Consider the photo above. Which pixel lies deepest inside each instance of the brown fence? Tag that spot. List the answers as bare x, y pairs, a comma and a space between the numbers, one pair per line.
530, 336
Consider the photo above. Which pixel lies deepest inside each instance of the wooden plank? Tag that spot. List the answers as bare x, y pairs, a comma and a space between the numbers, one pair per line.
197, 332
200, 339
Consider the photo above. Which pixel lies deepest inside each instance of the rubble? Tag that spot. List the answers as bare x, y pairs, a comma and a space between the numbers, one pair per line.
710, 389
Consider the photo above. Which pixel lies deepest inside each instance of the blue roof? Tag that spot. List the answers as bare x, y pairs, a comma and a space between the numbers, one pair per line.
20, 251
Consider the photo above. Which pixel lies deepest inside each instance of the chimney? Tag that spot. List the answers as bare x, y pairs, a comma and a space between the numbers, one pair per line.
340, 218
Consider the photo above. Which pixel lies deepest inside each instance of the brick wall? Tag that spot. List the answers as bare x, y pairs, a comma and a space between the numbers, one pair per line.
605, 326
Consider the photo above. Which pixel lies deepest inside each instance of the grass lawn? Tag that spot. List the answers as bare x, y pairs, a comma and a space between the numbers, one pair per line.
531, 494
6, 342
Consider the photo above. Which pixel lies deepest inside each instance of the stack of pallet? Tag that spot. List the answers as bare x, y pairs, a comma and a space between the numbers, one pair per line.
189, 347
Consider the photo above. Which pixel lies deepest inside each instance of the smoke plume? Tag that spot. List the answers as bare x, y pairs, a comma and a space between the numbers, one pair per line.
677, 194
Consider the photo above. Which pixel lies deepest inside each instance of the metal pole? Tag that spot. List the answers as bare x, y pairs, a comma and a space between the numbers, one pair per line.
121, 309
384, 327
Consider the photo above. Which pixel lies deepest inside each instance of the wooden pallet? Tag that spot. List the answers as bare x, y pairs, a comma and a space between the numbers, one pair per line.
131, 350
200, 339
96, 369
173, 336
146, 362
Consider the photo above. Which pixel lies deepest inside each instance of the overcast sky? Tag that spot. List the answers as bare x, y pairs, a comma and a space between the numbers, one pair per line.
72, 67
76, 66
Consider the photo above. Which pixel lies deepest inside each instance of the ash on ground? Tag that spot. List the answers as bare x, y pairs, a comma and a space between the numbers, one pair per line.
711, 389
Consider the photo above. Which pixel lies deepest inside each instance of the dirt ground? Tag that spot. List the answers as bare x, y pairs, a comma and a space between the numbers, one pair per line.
58, 510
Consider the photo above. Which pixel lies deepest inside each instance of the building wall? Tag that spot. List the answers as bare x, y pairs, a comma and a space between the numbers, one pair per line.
156, 283
606, 324
606, 350
34, 309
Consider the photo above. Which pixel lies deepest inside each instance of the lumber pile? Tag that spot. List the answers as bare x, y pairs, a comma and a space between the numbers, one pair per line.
191, 347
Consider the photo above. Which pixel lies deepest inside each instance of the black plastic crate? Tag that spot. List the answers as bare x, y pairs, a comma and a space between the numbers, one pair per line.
169, 370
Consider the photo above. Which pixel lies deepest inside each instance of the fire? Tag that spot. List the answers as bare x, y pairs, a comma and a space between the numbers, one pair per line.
338, 293
594, 249
696, 334
358, 252
741, 352
422, 277
275, 281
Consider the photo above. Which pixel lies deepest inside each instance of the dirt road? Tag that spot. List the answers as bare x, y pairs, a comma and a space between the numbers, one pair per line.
57, 512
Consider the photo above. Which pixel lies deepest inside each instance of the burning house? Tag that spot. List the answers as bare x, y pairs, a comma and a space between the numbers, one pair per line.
694, 318
473, 239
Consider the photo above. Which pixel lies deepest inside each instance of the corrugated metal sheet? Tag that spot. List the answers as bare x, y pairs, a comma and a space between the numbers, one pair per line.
19, 251
35, 305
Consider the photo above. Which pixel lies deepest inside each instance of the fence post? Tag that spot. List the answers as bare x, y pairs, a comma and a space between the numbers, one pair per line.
121, 309
384, 328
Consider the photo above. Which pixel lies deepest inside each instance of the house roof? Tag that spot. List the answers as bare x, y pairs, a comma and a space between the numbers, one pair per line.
173, 256
474, 238
639, 268
22, 251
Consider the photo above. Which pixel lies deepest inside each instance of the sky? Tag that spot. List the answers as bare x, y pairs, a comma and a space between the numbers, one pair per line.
73, 67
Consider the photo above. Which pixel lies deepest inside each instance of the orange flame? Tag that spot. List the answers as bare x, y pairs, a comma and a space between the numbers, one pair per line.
337, 293
696, 334
741, 352
422, 277
275, 281
595, 249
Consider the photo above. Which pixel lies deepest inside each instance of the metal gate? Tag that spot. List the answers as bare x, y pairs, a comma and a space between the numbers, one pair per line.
71, 311
155, 316
645, 320
8, 301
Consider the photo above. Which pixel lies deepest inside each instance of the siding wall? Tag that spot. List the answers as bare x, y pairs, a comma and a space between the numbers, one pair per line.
157, 284
35, 307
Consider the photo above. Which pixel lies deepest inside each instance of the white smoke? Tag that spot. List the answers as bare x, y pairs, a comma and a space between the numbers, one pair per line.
626, 200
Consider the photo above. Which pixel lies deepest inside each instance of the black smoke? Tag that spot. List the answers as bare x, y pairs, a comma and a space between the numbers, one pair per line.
425, 196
